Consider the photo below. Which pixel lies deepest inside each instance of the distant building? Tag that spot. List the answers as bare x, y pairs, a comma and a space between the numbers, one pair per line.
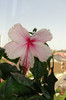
59, 62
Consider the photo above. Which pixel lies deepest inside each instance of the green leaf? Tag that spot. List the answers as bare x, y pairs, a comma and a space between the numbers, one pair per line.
48, 61
0, 73
22, 79
39, 69
6, 68
21, 98
1, 52
46, 93
13, 98
37, 97
35, 29
1, 84
13, 88
51, 82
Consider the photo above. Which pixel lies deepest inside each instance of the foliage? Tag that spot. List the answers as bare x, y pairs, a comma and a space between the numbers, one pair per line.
19, 87
60, 97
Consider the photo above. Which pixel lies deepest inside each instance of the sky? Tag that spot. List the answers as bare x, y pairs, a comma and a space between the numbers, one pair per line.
48, 14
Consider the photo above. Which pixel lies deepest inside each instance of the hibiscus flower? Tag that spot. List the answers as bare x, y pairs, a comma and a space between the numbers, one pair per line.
25, 46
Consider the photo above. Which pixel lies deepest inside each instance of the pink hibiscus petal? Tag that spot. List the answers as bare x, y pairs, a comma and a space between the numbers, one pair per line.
42, 35
27, 61
41, 51
14, 50
30, 60
18, 34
